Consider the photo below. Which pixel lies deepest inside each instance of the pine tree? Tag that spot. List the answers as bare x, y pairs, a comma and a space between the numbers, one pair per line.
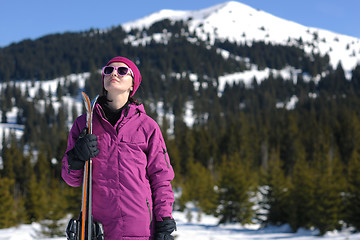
93, 83
7, 203
52, 226
199, 188
20, 211
302, 196
175, 158
42, 170
352, 206
291, 148
35, 201
277, 194
328, 210
185, 143
203, 147
72, 198
8, 160
59, 91
355, 79
61, 118
235, 190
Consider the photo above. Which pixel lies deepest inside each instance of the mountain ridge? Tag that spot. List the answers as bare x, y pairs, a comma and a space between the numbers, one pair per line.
240, 23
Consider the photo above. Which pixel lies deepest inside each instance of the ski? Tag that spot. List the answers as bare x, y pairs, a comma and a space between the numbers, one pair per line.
86, 201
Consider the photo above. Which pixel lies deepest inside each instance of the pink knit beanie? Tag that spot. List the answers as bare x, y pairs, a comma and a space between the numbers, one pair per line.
134, 69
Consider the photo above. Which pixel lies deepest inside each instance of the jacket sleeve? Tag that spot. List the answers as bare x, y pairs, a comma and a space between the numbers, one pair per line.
73, 177
161, 174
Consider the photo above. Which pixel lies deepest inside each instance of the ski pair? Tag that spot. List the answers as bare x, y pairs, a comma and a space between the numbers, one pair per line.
84, 227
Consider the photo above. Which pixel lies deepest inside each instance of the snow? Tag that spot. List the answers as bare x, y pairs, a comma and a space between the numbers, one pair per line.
49, 88
205, 229
248, 76
240, 23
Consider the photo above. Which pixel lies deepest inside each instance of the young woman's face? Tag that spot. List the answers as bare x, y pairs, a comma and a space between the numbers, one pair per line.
115, 83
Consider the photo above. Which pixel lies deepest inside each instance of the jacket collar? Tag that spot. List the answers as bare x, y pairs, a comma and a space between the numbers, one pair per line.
130, 111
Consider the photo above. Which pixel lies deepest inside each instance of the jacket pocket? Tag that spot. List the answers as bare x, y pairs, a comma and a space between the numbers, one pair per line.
149, 208
136, 138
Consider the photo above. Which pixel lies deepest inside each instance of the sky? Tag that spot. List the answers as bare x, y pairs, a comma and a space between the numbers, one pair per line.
26, 19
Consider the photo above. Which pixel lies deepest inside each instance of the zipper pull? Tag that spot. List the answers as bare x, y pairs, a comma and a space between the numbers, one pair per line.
164, 152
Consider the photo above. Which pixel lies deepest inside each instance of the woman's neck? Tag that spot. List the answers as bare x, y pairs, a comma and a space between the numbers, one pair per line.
118, 101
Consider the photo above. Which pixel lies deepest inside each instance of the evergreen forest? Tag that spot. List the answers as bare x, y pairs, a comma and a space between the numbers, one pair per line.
303, 162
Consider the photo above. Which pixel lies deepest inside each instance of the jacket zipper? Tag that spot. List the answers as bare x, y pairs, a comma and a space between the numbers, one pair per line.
148, 205
167, 163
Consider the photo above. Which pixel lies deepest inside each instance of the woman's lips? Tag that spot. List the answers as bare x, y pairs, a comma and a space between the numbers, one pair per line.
114, 80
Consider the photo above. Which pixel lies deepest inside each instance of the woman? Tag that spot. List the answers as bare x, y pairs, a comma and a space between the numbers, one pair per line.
132, 195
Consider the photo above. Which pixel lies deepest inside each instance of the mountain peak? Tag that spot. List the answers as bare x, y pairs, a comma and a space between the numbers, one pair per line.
241, 23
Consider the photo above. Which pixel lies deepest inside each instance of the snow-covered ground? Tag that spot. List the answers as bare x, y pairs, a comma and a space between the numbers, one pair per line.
205, 229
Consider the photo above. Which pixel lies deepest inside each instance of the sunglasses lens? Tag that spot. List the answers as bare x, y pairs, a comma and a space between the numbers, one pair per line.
108, 70
123, 71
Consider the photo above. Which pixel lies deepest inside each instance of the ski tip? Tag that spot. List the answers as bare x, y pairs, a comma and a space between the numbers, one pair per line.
94, 100
84, 95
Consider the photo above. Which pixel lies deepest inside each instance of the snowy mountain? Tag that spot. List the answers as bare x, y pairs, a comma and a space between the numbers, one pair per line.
240, 23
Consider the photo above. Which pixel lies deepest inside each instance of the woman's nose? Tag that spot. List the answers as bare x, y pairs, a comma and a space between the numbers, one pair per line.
114, 73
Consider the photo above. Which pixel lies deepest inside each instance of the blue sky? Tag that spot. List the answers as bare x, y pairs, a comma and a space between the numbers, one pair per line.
24, 19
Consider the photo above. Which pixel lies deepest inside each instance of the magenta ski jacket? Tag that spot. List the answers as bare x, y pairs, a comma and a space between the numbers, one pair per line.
131, 174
